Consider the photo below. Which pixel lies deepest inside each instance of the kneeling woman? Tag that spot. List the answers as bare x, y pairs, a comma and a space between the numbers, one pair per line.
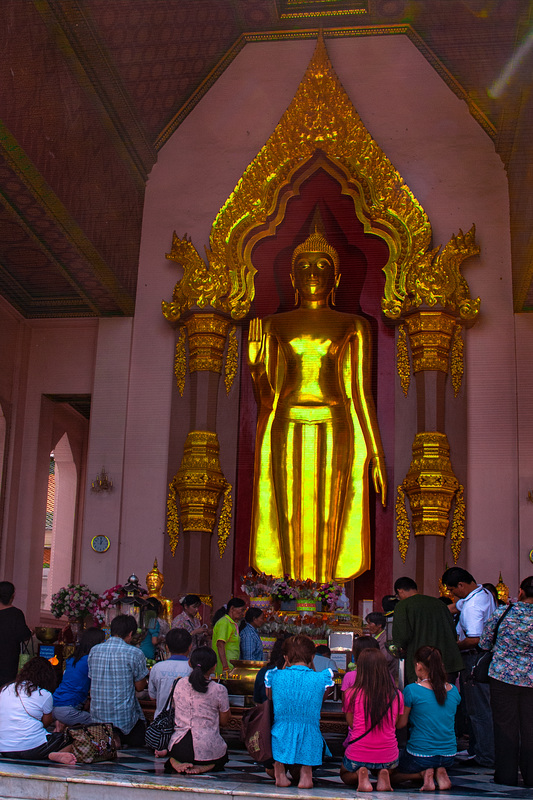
201, 706
25, 713
297, 693
430, 706
373, 709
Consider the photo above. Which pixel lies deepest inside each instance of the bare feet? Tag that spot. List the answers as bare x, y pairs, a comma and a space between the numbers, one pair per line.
280, 774
443, 781
363, 784
180, 767
63, 757
160, 753
384, 781
429, 782
306, 777
199, 770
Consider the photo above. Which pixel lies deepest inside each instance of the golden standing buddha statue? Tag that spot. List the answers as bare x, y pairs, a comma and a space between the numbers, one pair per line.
317, 430
154, 584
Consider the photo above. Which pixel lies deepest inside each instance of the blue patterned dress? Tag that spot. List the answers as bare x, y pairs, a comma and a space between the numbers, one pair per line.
297, 694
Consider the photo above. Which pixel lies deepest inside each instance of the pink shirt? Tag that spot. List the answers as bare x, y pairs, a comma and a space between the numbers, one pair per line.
199, 713
380, 745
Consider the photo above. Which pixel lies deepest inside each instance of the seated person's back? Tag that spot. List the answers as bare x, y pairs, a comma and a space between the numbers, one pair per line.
164, 673
117, 670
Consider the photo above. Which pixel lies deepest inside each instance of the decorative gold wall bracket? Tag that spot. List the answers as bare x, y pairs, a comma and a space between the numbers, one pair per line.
431, 487
435, 304
199, 485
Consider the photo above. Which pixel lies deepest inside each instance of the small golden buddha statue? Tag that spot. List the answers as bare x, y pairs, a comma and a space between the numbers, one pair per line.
317, 431
154, 584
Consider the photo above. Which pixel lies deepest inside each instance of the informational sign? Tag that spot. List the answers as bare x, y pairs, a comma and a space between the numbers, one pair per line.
47, 650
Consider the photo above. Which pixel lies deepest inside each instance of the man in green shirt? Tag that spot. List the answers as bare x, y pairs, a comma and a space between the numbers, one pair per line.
422, 620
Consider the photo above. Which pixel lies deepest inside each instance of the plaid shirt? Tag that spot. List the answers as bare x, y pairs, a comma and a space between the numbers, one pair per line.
114, 668
251, 644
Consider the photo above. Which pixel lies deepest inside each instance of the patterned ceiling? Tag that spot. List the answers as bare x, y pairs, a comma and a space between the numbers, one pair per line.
92, 88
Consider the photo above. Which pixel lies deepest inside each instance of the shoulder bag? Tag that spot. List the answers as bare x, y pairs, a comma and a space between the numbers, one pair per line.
256, 727
480, 668
159, 732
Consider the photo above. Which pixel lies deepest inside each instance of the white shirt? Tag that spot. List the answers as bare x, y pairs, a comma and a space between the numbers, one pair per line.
162, 676
20, 718
474, 611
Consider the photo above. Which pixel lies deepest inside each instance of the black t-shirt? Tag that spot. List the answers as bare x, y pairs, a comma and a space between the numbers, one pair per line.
13, 631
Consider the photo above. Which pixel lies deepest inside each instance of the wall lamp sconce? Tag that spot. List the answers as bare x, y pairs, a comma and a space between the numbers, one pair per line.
530, 496
102, 482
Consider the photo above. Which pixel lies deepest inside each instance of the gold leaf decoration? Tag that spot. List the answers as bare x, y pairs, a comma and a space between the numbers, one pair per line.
232, 359
458, 524
173, 517
457, 361
200, 285
402, 360
435, 278
403, 528
224, 522
180, 362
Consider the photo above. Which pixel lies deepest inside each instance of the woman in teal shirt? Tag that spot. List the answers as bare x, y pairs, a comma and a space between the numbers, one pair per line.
429, 705
226, 640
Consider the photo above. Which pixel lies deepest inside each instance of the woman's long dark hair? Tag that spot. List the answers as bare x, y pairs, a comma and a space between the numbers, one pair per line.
37, 673
202, 660
374, 680
431, 658
89, 638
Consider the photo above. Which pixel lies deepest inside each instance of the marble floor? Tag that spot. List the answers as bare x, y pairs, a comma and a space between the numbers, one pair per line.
137, 775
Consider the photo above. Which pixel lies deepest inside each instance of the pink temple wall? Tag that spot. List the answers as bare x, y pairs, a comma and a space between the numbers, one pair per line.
450, 165
126, 365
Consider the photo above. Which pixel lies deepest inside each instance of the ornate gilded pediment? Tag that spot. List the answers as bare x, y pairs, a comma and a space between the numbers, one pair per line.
319, 129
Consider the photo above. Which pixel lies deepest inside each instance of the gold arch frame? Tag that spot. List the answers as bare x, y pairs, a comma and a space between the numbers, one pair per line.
319, 129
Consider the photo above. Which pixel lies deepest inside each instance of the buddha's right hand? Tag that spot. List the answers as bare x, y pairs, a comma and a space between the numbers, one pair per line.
255, 342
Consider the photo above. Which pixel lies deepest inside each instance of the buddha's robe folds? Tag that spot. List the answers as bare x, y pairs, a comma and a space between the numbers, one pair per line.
316, 433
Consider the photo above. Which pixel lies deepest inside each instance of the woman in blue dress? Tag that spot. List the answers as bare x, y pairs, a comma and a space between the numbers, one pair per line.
297, 693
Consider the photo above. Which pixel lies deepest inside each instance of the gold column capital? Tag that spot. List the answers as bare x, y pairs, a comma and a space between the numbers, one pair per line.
430, 484
207, 341
430, 335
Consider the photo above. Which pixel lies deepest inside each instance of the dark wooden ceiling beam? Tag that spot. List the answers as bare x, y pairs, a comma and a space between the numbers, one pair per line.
75, 33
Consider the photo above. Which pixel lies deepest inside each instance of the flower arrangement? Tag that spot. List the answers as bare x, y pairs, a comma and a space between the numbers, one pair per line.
105, 600
75, 601
311, 626
329, 593
256, 584
305, 590
284, 589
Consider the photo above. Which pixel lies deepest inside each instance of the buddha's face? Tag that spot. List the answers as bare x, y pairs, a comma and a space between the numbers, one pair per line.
153, 583
314, 276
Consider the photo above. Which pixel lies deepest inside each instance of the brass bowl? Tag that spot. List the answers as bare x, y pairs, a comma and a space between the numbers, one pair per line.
47, 635
242, 678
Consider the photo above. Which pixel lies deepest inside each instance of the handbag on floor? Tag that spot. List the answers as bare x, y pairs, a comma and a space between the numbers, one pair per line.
92, 743
256, 731
159, 732
480, 668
